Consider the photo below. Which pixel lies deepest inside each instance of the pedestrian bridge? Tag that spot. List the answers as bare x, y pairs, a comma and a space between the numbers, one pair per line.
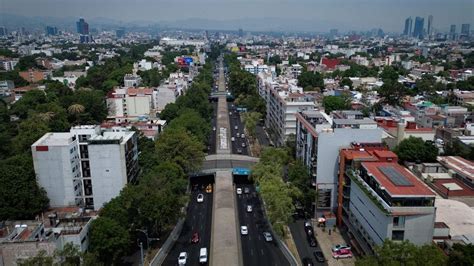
215, 162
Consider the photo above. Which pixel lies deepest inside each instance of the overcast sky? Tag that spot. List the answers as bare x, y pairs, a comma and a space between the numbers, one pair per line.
356, 14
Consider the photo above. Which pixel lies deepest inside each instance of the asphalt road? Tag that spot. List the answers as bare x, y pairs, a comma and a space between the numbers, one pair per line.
235, 121
302, 245
198, 219
256, 251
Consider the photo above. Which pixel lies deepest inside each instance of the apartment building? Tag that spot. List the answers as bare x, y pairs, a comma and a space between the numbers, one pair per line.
283, 101
34, 76
128, 103
318, 141
85, 167
379, 199
132, 80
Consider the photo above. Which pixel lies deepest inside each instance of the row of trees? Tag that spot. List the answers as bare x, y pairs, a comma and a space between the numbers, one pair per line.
152, 205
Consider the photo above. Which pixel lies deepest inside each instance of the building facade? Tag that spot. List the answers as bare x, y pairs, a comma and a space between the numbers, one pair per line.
85, 167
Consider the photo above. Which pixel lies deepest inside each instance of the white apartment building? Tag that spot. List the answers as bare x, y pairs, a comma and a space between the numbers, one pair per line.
85, 167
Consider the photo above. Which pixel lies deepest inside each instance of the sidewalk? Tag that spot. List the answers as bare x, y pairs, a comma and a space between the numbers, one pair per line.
327, 241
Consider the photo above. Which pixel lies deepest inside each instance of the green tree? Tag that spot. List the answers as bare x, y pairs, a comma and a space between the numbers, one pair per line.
346, 82
30, 130
416, 149
178, 146
389, 74
392, 92
310, 79
298, 176
332, 103
192, 122
41, 259
108, 239
251, 120
20, 196
462, 255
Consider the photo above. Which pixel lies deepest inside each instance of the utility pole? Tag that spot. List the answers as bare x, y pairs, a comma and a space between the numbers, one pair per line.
141, 254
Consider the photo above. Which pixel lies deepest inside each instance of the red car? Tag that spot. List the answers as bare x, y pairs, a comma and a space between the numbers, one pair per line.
195, 238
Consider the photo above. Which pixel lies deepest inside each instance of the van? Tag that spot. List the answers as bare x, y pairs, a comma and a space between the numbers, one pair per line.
203, 255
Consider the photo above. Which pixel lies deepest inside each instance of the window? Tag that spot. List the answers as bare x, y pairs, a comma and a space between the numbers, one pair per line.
398, 221
398, 235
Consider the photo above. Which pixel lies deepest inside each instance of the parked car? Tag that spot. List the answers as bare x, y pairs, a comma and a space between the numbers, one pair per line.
242, 136
244, 230
268, 237
319, 256
239, 191
232, 139
339, 247
342, 254
195, 238
307, 262
203, 255
182, 258
200, 198
239, 151
236, 127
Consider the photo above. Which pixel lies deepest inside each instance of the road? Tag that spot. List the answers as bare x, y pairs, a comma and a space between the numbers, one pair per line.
256, 251
198, 219
236, 122
302, 245
211, 146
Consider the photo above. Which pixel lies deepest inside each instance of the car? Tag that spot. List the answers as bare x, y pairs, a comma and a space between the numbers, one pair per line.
203, 255
182, 258
249, 208
209, 188
339, 247
308, 224
230, 113
342, 254
237, 134
195, 238
233, 139
239, 191
200, 198
213, 128
243, 145
307, 262
319, 256
268, 237
244, 230
242, 135
236, 128
309, 231
246, 190
312, 241
239, 151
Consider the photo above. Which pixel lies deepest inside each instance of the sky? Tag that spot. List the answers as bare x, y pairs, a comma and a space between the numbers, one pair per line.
343, 14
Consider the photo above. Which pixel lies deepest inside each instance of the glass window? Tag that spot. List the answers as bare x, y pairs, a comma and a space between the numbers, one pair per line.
398, 235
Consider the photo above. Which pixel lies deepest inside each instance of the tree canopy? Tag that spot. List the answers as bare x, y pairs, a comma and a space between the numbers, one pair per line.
309, 79
332, 103
415, 149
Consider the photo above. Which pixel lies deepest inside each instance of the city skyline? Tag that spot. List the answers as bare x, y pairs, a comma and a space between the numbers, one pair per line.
305, 15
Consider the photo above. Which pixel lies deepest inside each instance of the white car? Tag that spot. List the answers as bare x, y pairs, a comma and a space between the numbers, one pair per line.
233, 139
200, 198
268, 237
236, 127
242, 135
183, 257
249, 208
239, 191
244, 230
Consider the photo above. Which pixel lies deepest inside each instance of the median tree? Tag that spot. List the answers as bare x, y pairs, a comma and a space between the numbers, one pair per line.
251, 120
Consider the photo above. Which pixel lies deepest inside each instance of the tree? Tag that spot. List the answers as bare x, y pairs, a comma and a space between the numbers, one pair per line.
170, 112
313, 79
178, 146
404, 253
276, 155
274, 60
462, 255
30, 130
250, 120
20, 196
108, 239
41, 259
392, 92
332, 103
389, 74
346, 82
415, 149
298, 176
192, 122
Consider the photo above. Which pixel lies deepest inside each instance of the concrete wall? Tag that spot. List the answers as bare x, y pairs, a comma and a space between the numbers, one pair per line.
11, 252
108, 171
54, 173
162, 97
329, 144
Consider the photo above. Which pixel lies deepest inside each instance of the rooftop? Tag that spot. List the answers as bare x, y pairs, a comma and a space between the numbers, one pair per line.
397, 180
365, 121
54, 139
457, 215
458, 164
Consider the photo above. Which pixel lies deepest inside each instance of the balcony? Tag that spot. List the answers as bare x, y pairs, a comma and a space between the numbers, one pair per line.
369, 192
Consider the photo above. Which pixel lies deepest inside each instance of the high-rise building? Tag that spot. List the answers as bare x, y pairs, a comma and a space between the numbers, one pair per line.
429, 30
120, 32
452, 32
50, 30
419, 26
85, 167
465, 30
3, 31
241, 33
82, 27
408, 26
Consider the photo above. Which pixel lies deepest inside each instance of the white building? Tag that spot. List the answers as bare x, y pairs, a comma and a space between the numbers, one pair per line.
132, 80
126, 103
164, 95
85, 167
